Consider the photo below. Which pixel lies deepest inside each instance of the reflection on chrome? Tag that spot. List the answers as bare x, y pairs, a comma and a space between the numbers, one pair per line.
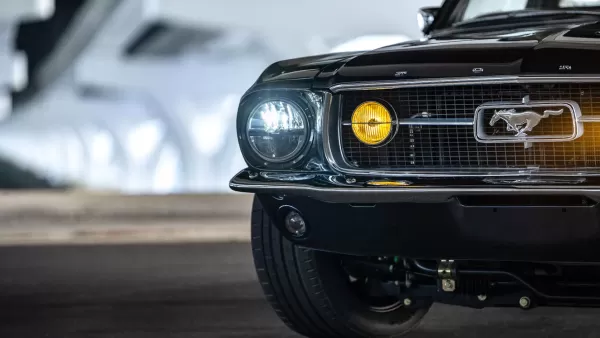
287, 177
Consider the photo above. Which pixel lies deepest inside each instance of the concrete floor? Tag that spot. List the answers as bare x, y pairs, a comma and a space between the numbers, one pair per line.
197, 290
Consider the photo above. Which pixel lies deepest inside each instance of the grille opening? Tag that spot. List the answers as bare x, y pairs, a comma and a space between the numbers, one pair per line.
526, 200
453, 148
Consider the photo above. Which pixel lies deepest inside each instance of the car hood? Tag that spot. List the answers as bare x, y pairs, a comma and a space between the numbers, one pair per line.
561, 49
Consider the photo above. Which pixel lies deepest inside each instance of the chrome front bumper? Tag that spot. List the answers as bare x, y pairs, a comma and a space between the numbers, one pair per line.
334, 189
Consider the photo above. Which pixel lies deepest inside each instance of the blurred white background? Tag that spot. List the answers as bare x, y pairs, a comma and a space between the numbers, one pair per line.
139, 96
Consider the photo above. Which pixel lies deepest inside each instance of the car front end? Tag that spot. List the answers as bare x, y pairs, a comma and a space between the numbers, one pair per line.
463, 169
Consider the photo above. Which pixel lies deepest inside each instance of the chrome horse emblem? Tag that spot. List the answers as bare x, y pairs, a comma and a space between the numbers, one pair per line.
521, 118
521, 122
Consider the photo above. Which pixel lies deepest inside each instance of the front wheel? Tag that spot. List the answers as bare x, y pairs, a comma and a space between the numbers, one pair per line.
313, 294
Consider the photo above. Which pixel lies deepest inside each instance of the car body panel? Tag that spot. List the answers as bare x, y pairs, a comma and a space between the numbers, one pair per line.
561, 49
450, 228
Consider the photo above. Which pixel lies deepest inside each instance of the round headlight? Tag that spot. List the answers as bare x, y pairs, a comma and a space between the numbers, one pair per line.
277, 130
372, 123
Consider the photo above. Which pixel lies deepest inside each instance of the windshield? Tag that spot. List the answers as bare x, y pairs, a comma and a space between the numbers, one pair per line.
478, 8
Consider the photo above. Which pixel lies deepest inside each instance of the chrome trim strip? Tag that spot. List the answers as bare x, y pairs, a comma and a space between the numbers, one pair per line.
455, 172
408, 193
435, 122
534, 180
326, 137
588, 118
460, 122
532, 189
463, 81
426, 122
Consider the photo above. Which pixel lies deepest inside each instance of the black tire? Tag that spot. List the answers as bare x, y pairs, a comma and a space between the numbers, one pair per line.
311, 294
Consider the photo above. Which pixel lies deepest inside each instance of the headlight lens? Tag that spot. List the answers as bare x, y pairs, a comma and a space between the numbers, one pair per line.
372, 123
277, 130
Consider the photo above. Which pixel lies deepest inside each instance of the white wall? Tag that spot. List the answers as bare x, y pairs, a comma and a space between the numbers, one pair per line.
159, 124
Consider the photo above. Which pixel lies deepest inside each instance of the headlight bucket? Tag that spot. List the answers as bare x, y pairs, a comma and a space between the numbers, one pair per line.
276, 128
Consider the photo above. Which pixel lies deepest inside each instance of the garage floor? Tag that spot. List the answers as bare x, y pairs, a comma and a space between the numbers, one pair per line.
196, 290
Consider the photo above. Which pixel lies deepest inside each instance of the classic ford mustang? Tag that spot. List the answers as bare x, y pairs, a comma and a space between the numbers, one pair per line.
463, 168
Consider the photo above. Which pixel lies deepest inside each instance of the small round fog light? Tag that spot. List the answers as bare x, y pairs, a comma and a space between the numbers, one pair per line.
295, 224
372, 123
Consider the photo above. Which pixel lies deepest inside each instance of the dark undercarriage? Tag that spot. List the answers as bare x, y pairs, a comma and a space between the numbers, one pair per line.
480, 284
486, 251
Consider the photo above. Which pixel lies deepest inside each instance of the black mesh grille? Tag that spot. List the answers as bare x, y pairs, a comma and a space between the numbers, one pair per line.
447, 148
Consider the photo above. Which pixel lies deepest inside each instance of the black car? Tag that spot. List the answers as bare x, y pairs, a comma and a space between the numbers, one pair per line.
463, 168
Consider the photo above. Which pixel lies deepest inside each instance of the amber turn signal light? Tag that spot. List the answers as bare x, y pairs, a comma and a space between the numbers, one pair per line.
372, 123
388, 183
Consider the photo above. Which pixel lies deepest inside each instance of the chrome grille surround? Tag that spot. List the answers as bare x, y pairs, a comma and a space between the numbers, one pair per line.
541, 160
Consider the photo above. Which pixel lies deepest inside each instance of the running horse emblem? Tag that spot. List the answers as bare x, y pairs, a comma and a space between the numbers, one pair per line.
521, 122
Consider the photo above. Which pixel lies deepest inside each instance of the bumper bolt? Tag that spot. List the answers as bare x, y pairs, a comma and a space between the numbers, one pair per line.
525, 302
407, 302
448, 285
